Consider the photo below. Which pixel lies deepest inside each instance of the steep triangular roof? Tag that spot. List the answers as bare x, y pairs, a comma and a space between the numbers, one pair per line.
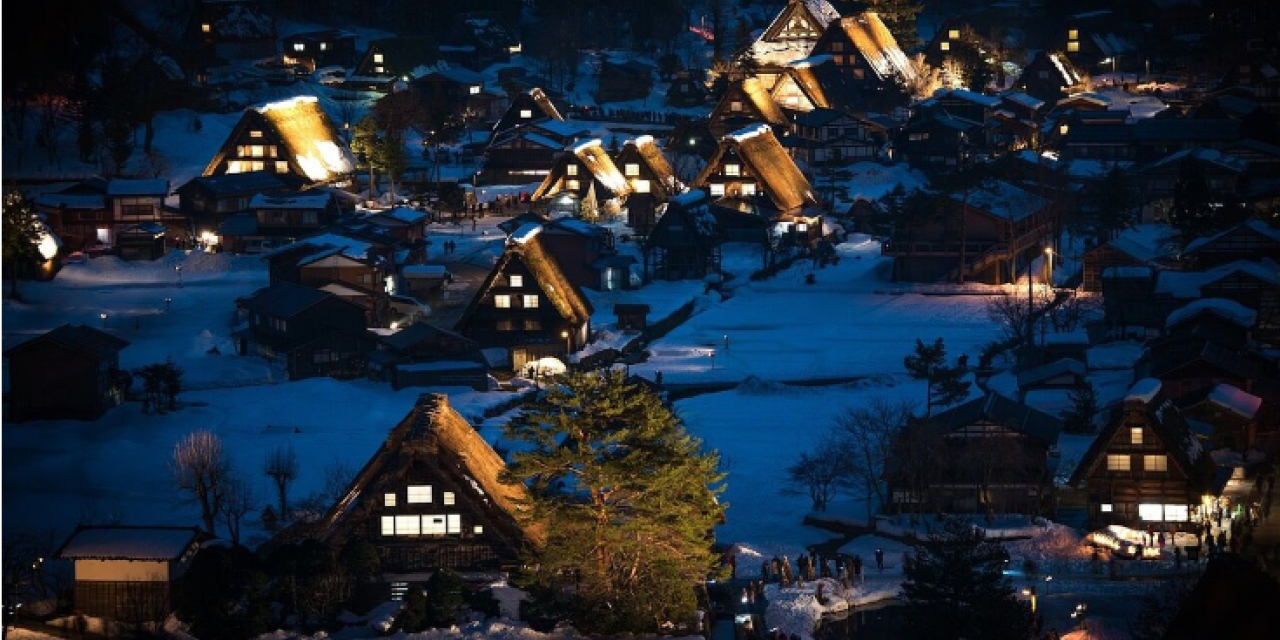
535, 102
755, 99
793, 31
526, 246
780, 179
79, 338
592, 155
313, 147
878, 47
645, 151
435, 435
997, 409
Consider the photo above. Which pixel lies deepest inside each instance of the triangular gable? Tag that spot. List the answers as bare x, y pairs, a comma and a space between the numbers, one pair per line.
530, 106
779, 177
526, 247
755, 101
591, 156
799, 89
877, 45
1167, 427
800, 20
653, 163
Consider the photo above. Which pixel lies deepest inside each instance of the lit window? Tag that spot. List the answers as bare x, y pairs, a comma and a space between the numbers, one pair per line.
455, 523
502, 301
573, 185
571, 170
298, 46
954, 34
631, 169
1073, 46
526, 113
377, 58
1073, 34
206, 28
282, 166
641, 186
378, 69
1155, 463
408, 526
1176, 513
515, 280
475, 90
533, 324
1106, 507
1063, 129
388, 499
735, 106
717, 189
255, 134
1117, 462
1135, 435
433, 525
257, 150
448, 498
477, 529
324, 46
945, 46
748, 189
1152, 512
732, 170
419, 494
531, 302
388, 525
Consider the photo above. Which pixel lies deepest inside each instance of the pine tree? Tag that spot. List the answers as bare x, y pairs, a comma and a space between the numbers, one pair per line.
945, 385
899, 16
955, 588
626, 496
1084, 406
20, 236
445, 591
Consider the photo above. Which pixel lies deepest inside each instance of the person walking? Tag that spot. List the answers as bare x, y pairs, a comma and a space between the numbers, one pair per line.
764, 571
880, 560
1177, 557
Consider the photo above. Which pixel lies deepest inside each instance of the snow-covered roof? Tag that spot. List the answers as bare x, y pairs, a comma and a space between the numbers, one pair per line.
809, 61
443, 365
1023, 99
1227, 309
424, 270
349, 247
129, 543
290, 201
1242, 403
565, 128
71, 200
1004, 200
877, 45
967, 96
1144, 390
310, 137
1259, 226
1211, 156
138, 187
405, 214
1187, 284
1111, 44
526, 233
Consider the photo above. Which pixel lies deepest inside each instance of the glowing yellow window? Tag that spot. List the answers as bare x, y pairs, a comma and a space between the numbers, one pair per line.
571, 170
377, 58
1073, 46
954, 34
945, 46
732, 170
1073, 34
631, 169
206, 28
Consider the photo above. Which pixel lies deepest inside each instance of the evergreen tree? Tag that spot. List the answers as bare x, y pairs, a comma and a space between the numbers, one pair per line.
413, 618
223, 595
366, 144
445, 591
899, 16
945, 385
20, 236
1084, 406
627, 499
955, 588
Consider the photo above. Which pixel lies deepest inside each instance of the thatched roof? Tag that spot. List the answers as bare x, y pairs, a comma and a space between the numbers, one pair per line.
435, 433
312, 140
526, 246
756, 102
645, 151
878, 47
591, 155
780, 179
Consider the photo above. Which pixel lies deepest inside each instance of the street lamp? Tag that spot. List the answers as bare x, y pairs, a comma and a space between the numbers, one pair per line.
1031, 592
568, 346
167, 302
103, 316
1048, 251
1047, 580
178, 268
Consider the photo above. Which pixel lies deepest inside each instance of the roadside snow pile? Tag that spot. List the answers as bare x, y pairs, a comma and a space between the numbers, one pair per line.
797, 611
1057, 549
493, 629
195, 265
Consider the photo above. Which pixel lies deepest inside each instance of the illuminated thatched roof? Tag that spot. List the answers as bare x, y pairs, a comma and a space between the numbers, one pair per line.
645, 151
591, 156
878, 47
435, 436
756, 103
526, 247
803, 76
312, 146
764, 158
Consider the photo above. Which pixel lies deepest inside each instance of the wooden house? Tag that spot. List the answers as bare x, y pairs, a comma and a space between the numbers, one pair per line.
69, 372
1063, 374
527, 107
937, 142
808, 84
94, 212
1049, 77
1145, 468
995, 455
1004, 227
1227, 414
1119, 252
652, 180
790, 36
319, 49
232, 29
1250, 240
396, 57
685, 242
285, 217
752, 169
586, 254
527, 305
525, 154
1224, 175
402, 224
423, 355
828, 135
1157, 138
352, 269
621, 81
868, 55
686, 90
127, 573
314, 333
462, 91
292, 136
744, 102
1098, 39
585, 180
1091, 135
142, 241
207, 201
430, 497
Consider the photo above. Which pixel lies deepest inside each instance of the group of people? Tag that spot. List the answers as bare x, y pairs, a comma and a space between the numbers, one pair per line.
812, 566
450, 246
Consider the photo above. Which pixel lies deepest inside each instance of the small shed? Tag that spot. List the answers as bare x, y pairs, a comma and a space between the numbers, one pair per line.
632, 317
143, 241
422, 280
127, 572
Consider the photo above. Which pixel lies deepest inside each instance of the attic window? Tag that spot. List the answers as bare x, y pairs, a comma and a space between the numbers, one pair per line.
477, 529
631, 169
377, 58
1063, 129
531, 302
206, 28
526, 113
1073, 46
448, 498
1106, 507
475, 90
1117, 462
1155, 463
298, 46
573, 185
255, 134
735, 106
515, 280
388, 499
419, 494
324, 46
732, 170
571, 170
502, 302
378, 69
954, 34
640, 186
1135, 435
945, 46
1073, 34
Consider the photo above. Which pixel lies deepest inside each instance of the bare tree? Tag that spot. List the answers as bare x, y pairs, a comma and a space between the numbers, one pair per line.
918, 451
201, 468
281, 466
337, 478
238, 503
1011, 312
866, 435
994, 459
819, 474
